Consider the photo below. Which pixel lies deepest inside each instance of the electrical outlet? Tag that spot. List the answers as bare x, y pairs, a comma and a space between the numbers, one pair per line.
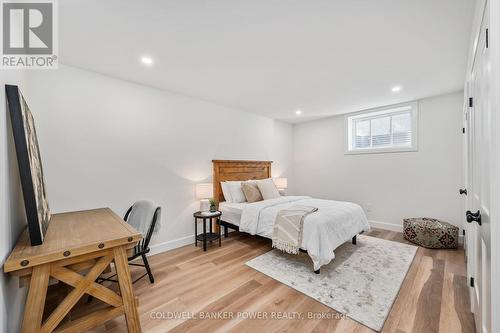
368, 207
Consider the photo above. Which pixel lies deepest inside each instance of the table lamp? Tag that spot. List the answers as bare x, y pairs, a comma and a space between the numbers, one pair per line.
281, 184
204, 192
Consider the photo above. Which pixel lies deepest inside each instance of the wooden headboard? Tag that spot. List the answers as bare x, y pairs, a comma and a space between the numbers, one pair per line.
238, 170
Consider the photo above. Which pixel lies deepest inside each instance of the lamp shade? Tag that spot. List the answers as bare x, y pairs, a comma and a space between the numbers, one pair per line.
204, 191
281, 183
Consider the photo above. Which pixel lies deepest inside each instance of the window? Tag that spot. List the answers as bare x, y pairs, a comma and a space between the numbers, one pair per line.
389, 129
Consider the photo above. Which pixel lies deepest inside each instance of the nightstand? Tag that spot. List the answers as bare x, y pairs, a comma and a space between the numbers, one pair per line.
206, 236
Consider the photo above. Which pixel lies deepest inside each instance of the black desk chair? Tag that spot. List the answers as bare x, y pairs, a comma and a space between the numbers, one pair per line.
142, 248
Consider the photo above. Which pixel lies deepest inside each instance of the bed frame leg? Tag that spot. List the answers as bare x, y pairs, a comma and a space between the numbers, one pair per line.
354, 240
317, 271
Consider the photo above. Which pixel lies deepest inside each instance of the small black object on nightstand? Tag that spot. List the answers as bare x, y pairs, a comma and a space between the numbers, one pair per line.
206, 236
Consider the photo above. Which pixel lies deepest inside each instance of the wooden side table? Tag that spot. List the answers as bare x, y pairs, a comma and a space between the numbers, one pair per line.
76, 241
207, 236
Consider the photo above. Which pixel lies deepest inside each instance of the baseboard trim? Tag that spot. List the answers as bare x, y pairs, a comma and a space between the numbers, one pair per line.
186, 240
171, 244
399, 228
386, 226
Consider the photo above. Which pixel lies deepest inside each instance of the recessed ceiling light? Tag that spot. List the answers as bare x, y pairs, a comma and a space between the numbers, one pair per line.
396, 88
147, 60
298, 112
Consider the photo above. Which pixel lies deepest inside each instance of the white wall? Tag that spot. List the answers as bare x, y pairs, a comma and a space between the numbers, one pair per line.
108, 142
12, 217
390, 186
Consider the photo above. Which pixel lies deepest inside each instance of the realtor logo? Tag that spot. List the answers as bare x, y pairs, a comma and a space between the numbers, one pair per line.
29, 34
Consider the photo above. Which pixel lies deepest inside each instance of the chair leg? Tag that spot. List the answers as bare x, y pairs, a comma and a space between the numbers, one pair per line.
148, 269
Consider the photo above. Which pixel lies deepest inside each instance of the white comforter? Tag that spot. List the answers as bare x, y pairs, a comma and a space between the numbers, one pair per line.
333, 224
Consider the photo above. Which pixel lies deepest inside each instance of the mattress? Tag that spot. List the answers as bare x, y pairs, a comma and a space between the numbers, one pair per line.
231, 211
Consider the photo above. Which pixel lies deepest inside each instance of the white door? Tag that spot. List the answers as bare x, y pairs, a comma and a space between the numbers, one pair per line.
479, 148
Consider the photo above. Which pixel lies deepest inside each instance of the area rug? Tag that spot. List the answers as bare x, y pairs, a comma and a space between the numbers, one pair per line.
362, 281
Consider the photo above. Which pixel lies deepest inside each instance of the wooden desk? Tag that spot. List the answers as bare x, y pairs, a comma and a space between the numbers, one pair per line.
74, 241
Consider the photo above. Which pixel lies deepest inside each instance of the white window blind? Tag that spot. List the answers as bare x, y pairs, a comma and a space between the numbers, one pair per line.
386, 129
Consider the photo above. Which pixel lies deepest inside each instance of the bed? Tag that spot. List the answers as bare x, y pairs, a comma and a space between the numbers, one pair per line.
335, 222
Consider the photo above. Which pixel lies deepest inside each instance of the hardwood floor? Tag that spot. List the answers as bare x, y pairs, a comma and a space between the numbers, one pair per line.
433, 298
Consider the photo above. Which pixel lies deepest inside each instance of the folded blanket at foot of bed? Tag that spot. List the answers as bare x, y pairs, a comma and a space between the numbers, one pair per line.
288, 228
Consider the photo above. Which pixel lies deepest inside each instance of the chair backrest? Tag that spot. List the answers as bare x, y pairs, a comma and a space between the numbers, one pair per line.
143, 215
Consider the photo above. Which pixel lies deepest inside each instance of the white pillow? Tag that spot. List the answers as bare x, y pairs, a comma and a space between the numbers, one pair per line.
226, 192
237, 194
268, 189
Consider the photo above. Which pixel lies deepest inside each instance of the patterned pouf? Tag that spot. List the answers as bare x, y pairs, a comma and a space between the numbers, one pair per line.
431, 233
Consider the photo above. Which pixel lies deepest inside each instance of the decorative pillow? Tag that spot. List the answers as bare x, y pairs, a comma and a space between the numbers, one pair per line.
226, 192
251, 191
237, 194
268, 189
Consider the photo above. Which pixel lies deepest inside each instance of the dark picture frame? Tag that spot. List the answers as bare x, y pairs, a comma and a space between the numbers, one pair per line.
30, 165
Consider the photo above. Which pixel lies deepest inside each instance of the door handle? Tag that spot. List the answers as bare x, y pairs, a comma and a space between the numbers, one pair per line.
473, 216
463, 191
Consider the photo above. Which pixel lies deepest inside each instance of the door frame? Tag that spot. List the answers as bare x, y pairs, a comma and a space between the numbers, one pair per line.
470, 239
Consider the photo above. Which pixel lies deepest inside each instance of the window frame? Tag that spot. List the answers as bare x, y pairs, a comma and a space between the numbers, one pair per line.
349, 131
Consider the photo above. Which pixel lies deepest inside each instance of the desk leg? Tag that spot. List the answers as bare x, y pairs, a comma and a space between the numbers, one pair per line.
35, 303
127, 292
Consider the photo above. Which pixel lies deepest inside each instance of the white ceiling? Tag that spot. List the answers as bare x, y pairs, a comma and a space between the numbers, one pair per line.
272, 57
